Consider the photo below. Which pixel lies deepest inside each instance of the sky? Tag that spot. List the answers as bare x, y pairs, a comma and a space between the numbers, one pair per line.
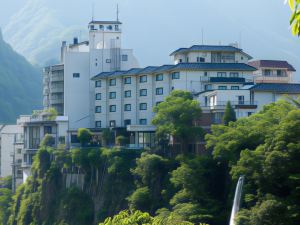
154, 28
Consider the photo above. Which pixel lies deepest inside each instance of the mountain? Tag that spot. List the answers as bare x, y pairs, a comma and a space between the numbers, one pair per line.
20, 84
42, 44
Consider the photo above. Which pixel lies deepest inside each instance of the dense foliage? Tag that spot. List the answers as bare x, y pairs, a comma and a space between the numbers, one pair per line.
295, 18
265, 148
119, 186
229, 114
20, 85
176, 117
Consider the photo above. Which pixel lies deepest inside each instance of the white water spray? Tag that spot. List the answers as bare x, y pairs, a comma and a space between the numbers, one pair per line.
237, 200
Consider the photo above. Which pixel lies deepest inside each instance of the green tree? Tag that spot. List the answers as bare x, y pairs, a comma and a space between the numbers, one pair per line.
176, 117
121, 140
229, 115
84, 135
48, 141
295, 18
107, 136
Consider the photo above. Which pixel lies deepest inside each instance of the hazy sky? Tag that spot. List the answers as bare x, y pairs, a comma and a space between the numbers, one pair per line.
154, 28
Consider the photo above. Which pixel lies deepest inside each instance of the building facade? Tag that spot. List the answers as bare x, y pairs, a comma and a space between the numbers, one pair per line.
103, 52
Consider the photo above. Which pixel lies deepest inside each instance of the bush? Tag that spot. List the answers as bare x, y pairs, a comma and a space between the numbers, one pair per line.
84, 135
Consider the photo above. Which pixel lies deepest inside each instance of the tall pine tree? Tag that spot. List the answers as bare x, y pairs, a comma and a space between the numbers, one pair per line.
229, 114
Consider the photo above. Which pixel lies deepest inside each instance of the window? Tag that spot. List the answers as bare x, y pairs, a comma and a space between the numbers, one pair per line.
200, 59
124, 57
96, 64
101, 27
159, 91
19, 150
205, 74
250, 113
98, 124
267, 73
98, 83
47, 130
222, 87
127, 122
108, 60
234, 74
127, 107
116, 27
187, 59
92, 27
112, 95
112, 123
180, 60
221, 74
127, 80
175, 75
109, 27
143, 92
98, 109
112, 108
62, 140
241, 100
208, 87
235, 87
127, 94
159, 77
143, 121
279, 73
112, 82
76, 75
143, 106
143, 79
157, 103
98, 96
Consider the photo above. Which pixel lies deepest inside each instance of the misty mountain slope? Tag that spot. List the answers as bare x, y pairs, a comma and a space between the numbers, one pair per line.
20, 85
38, 39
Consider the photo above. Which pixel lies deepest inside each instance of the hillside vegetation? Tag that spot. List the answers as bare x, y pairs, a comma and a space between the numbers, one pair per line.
20, 85
129, 187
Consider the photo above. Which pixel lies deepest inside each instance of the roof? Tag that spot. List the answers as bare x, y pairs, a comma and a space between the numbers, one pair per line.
104, 22
272, 64
280, 87
214, 66
210, 48
180, 66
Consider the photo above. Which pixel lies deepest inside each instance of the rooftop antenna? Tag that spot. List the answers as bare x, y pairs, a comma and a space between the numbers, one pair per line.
93, 10
118, 12
240, 40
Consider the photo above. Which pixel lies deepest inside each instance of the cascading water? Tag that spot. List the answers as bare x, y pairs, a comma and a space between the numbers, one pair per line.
237, 200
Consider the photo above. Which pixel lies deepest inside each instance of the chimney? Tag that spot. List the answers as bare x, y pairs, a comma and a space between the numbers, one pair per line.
62, 51
75, 42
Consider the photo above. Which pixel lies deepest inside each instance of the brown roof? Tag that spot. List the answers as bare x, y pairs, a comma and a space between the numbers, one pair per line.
272, 64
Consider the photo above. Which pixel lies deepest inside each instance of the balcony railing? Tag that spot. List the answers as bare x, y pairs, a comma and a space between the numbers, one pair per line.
236, 104
279, 79
57, 78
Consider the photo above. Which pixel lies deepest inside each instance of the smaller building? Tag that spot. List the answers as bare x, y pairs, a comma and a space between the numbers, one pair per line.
273, 71
35, 128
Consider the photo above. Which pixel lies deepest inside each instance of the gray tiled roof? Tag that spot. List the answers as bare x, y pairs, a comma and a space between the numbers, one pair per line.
272, 64
279, 88
180, 66
214, 66
210, 48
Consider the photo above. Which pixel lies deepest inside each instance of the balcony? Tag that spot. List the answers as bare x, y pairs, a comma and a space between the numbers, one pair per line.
272, 79
241, 79
221, 105
57, 89
57, 101
57, 78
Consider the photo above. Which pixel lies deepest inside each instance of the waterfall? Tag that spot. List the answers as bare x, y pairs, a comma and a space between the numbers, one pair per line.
237, 200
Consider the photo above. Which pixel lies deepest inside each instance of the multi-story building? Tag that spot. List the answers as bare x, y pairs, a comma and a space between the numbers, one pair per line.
35, 128
103, 52
53, 92
272, 71
125, 99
